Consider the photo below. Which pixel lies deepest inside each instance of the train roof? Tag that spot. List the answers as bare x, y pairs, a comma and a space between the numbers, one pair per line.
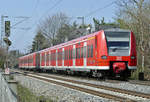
116, 30
71, 41
65, 44
79, 39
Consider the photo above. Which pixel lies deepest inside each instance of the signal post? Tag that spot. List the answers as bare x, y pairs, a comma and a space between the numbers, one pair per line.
8, 43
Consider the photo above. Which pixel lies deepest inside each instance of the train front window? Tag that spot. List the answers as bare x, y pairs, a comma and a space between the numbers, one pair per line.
118, 43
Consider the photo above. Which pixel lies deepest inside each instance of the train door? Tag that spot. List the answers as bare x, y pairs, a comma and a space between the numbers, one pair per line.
66, 56
43, 59
47, 58
34, 59
79, 54
59, 57
91, 52
53, 57
37, 60
70, 55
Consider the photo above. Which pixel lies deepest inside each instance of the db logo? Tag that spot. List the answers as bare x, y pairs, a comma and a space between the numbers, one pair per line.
119, 58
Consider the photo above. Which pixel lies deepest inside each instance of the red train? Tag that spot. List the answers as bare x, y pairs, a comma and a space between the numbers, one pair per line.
103, 53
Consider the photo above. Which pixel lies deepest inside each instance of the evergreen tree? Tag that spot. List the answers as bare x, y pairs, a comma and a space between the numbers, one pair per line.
39, 42
102, 25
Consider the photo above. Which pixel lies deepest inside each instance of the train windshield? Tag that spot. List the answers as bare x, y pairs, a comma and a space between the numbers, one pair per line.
118, 43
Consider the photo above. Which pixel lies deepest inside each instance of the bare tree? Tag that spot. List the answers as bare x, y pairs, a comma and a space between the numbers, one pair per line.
50, 26
135, 15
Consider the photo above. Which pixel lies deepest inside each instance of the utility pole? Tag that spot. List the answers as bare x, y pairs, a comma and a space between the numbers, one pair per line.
2, 29
82, 18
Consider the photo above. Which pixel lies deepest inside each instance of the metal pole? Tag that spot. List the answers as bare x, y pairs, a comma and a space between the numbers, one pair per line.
2, 19
82, 18
2, 29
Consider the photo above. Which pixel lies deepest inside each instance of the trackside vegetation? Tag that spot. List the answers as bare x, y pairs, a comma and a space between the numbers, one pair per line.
25, 95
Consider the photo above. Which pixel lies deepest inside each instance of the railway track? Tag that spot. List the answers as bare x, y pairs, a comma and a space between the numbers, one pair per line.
147, 83
97, 90
137, 82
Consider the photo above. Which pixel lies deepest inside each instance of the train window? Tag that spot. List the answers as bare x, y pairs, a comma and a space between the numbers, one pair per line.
81, 52
84, 52
70, 53
60, 55
50, 56
65, 54
95, 42
32, 59
74, 54
57, 55
79, 56
44, 57
91, 50
54, 56
47, 57
28, 60
88, 51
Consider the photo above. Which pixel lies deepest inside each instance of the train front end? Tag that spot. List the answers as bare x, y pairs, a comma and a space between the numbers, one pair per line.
121, 49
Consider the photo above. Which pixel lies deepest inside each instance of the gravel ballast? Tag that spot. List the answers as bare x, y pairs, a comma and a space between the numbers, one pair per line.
121, 85
56, 92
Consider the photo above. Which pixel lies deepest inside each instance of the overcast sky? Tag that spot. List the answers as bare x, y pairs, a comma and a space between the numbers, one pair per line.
37, 10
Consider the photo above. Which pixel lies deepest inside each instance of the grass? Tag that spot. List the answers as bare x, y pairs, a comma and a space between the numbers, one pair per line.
25, 95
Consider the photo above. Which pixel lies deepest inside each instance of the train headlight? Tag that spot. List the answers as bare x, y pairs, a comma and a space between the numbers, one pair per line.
132, 57
104, 57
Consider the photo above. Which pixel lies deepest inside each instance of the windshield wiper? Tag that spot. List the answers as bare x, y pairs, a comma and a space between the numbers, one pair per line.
114, 49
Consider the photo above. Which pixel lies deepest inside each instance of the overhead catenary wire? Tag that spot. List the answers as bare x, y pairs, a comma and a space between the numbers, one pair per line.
35, 23
25, 19
57, 3
99, 9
